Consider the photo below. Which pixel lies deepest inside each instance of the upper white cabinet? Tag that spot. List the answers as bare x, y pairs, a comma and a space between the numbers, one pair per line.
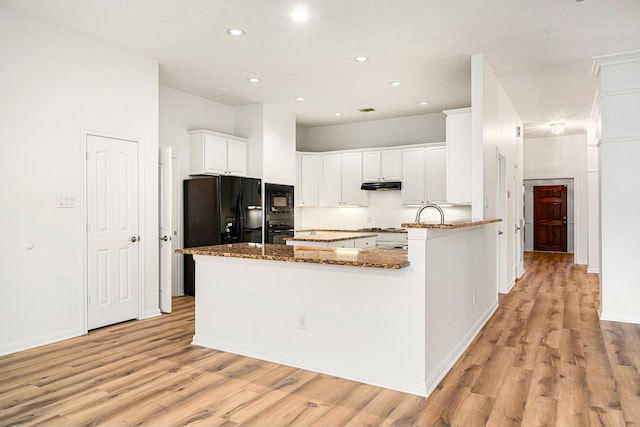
458, 129
436, 161
213, 153
307, 188
424, 175
341, 180
385, 165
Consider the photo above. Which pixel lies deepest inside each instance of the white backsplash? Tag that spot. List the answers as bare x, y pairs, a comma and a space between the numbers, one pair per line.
385, 210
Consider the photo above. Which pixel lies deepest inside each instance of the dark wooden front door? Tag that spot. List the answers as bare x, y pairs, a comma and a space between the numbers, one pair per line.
550, 218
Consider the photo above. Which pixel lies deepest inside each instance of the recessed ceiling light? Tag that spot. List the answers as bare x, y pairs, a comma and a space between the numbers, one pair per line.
337, 114
395, 84
361, 58
235, 32
423, 102
253, 80
300, 14
299, 99
557, 128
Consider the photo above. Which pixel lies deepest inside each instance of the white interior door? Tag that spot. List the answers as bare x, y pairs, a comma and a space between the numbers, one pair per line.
503, 286
112, 231
165, 222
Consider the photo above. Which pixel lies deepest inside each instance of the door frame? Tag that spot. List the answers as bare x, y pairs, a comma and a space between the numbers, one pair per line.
502, 211
84, 291
573, 210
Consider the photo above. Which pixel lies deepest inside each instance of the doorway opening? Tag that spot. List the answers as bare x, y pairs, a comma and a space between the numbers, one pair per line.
550, 220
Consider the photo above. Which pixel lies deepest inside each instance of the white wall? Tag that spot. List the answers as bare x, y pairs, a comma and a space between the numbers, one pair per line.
385, 210
272, 137
53, 84
494, 122
424, 128
563, 157
279, 157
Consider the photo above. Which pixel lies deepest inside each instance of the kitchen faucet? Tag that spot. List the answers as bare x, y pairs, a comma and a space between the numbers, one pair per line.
430, 205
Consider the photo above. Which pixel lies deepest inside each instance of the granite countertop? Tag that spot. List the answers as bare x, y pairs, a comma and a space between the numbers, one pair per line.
376, 258
375, 230
330, 236
450, 224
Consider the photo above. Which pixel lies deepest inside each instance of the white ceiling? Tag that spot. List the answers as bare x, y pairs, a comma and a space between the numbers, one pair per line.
540, 50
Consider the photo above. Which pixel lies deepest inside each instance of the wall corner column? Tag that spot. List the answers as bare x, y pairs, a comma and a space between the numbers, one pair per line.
619, 156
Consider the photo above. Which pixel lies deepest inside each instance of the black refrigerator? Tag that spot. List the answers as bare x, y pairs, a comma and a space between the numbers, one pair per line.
219, 210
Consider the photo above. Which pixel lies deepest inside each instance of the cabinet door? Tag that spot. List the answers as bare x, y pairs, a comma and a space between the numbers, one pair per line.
236, 158
308, 180
459, 156
352, 179
437, 174
391, 165
215, 155
371, 166
332, 180
413, 176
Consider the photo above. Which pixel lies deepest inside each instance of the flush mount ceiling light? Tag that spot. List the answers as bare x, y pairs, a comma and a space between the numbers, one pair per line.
300, 14
395, 84
361, 58
557, 128
423, 103
300, 99
337, 114
253, 80
235, 32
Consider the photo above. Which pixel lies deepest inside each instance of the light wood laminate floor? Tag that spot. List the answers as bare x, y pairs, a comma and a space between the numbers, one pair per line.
543, 359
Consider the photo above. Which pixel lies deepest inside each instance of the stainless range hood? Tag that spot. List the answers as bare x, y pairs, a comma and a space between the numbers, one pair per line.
381, 185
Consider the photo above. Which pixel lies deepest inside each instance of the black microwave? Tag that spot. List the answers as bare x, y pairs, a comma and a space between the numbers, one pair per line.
279, 198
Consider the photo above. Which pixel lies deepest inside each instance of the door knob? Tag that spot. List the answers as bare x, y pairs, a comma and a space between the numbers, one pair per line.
164, 238
133, 239
500, 233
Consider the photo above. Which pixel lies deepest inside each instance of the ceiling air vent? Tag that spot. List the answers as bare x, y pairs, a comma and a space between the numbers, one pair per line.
366, 110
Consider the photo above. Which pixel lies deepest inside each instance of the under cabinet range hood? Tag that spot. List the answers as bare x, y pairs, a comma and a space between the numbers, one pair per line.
381, 185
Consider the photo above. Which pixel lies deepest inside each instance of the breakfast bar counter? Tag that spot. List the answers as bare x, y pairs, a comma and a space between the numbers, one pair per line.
392, 318
374, 258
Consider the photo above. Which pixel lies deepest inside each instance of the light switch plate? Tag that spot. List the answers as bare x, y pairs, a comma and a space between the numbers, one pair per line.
66, 202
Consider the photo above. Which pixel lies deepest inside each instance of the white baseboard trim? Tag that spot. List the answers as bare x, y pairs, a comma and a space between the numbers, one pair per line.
593, 270
353, 373
152, 313
39, 341
443, 369
617, 317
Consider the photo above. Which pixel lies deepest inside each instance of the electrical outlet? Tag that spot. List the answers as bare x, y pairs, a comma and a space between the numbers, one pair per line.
368, 219
302, 321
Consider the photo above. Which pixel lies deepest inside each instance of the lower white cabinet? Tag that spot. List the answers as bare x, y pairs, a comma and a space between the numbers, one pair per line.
424, 175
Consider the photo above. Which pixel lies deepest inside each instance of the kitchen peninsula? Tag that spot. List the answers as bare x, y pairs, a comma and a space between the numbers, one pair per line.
395, 319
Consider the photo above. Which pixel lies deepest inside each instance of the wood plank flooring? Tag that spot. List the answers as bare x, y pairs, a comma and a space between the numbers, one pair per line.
544, 358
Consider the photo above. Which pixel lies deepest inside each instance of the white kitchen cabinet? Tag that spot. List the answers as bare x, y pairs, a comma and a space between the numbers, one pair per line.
213, 153
365, 243
458, 131
341, 180
384, 165
386, 240
424, 175
309, 168
436, 161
